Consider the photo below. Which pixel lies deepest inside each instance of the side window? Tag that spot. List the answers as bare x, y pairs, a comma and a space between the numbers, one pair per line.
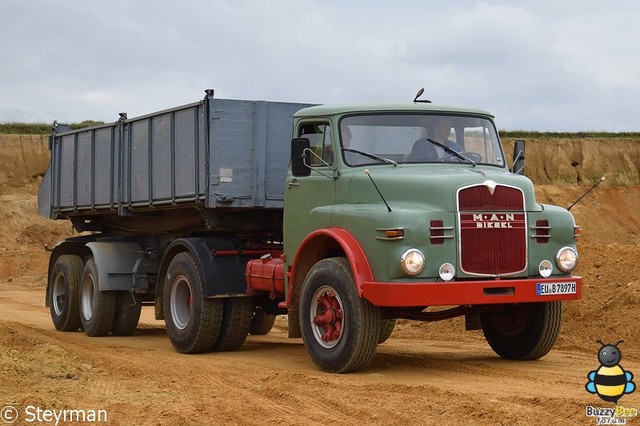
319, 134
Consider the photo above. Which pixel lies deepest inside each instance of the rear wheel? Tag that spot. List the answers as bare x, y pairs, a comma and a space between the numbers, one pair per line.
525, 331
63, 292
340, 330
128, 309
97, 308
236, 321
262, 322
193, 321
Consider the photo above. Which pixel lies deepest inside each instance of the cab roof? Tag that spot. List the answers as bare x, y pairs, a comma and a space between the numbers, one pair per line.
415, 107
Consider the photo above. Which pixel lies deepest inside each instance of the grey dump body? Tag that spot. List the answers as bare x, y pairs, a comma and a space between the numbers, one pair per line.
183, 167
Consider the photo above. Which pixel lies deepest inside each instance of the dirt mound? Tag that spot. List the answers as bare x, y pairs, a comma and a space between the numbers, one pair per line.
23, 161
23, 158
581, 161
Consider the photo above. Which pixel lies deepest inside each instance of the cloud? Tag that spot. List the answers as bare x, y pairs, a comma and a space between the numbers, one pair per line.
537, 65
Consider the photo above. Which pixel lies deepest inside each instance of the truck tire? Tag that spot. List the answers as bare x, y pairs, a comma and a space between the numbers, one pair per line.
63, 292
97, 308
262, 322
386, 328
524, 332
193, 321
128, 309
340, 330
236, 321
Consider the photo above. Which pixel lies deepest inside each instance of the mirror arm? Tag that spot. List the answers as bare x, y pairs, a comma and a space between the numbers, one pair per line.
324, 163
515, 161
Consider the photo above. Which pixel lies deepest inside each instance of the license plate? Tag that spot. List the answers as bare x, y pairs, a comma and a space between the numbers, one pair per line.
551, 289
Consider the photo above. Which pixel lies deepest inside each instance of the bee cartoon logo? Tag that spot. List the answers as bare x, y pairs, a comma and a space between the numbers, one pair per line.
610, 381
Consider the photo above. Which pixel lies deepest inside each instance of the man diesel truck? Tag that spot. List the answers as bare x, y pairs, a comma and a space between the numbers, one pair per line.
225, 213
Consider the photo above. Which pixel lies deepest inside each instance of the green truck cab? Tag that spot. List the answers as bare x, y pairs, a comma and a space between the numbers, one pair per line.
413, 206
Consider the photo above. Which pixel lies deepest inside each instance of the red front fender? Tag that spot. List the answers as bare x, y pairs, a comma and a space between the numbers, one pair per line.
317, 244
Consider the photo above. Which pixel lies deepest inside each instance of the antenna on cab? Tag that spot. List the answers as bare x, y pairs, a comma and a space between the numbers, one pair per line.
366, 172
590, 189
420, 92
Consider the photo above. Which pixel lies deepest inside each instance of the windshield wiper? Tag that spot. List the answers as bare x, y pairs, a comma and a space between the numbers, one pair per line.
370, 155
452, 152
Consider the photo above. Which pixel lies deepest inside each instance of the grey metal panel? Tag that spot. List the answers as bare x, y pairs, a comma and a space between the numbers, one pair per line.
279, 130
203, 152
139, 162
164, 158
84, 169
66, 171
161, 151
259, 152
124, 164
249, 152
117, 171
45, 202
104, 166
231, 153
186, 145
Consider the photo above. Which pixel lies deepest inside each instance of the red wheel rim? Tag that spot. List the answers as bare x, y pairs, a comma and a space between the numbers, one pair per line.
327, 317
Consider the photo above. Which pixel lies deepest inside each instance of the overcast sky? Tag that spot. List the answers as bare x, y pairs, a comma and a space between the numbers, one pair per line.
547, 65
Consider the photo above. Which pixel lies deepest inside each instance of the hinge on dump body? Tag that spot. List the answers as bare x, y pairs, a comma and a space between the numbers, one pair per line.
226, 198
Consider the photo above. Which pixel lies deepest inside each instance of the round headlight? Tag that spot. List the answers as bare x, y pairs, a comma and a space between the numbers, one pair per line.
412, 262
545, 268
447, 272
567, 259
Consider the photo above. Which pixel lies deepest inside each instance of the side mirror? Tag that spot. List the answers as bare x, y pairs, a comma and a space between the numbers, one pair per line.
300, 157
518, 157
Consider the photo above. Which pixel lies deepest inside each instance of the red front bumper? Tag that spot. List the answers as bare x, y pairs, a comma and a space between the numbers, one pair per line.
479, 292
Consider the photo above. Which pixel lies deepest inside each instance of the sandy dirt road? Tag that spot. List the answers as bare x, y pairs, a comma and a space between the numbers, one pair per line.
417, 377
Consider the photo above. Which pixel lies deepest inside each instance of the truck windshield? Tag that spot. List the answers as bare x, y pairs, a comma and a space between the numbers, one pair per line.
419, 138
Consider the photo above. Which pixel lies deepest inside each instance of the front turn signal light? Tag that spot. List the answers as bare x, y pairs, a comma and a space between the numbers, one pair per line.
577, 231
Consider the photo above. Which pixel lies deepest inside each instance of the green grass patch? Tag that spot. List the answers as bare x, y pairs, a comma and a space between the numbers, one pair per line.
527, 134
40, 128
25, 128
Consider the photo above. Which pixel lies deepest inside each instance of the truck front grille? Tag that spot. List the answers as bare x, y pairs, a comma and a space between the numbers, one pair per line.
493, 230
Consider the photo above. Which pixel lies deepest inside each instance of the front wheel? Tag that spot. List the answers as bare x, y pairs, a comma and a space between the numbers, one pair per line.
525, 331
386, 328
340, 330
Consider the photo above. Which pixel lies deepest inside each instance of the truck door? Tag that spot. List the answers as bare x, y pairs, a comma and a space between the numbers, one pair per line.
309, 200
